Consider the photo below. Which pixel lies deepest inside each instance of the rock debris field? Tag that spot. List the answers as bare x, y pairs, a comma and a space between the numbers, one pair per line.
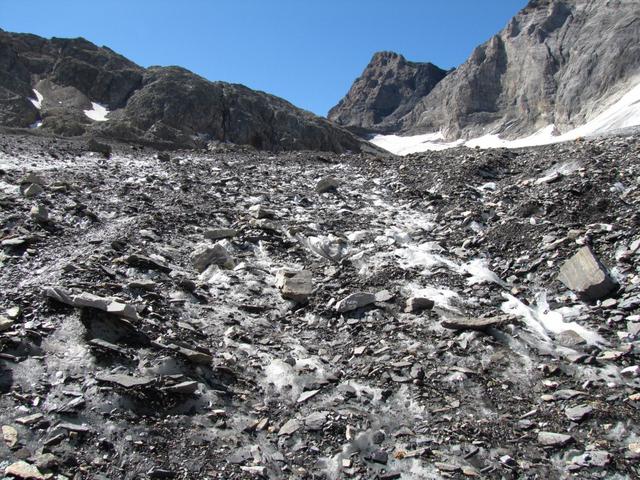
232, 314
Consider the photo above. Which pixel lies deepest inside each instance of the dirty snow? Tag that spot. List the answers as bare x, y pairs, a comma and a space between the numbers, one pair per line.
37, 102
97, 113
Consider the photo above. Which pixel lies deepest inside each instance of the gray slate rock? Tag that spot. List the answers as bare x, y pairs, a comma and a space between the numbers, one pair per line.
355, 301
205, 255
296, 286
551, 439
586, 276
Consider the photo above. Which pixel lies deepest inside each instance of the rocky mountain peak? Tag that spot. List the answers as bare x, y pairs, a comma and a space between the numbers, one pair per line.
388, 88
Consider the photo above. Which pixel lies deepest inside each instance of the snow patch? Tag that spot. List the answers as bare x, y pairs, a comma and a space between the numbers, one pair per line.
621, 114
37, 102
97, 113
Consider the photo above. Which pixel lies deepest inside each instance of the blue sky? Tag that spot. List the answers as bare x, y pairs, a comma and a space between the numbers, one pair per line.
306, 51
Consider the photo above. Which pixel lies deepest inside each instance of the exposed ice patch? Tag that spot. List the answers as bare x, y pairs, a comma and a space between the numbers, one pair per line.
37, 102
479, 272
97, 113
544, 321
37, 124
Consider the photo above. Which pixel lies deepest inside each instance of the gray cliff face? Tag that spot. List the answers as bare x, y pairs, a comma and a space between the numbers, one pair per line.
556, 62
167, 106
388, 89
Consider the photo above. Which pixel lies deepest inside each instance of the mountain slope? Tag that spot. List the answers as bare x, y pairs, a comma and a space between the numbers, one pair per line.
82, 88
557, 62
389, 88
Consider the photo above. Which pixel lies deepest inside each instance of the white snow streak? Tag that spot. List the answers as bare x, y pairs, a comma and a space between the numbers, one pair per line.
37, 102
623, 113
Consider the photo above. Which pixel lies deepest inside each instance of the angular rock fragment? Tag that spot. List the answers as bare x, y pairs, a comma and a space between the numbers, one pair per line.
418, 304
316, 420
32, 190
579, 413
195, 356
24, 470
586, 276
551, 439
479, 324
593, 458
30, 419
289, 428
295, 285
355, 301
39, 213
327, 184
94, 146
205, 255
304, 396
10, 436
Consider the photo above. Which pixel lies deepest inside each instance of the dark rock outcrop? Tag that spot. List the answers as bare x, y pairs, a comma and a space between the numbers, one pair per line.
557, 62
167, 106
388, 89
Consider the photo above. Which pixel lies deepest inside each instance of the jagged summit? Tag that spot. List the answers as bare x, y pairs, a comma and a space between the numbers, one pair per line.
81, 88
388, 89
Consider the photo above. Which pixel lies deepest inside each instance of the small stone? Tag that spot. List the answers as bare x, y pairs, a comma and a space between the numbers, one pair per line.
289, 427
593, 458
316, 420
355, 301
39, 213
304, 396
327, 184
609, 303
13, 313
579, 413
46, 461
295, 285
447, 467
184, 388
418, 304
195, 356
551, 439
379, 456
24, 470
586, 276
570, 338
205, 255
259, 212
631, 372
9, 435
32, 190
220, 233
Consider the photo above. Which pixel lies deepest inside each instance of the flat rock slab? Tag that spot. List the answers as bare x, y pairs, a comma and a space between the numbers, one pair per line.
551, 439
327, 184
418, 304
467, 323
355, 301
126, 381
289, 428
586, 276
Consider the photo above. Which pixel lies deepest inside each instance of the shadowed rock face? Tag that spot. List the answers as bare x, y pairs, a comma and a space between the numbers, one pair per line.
556, 62
389, 88
161, 105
